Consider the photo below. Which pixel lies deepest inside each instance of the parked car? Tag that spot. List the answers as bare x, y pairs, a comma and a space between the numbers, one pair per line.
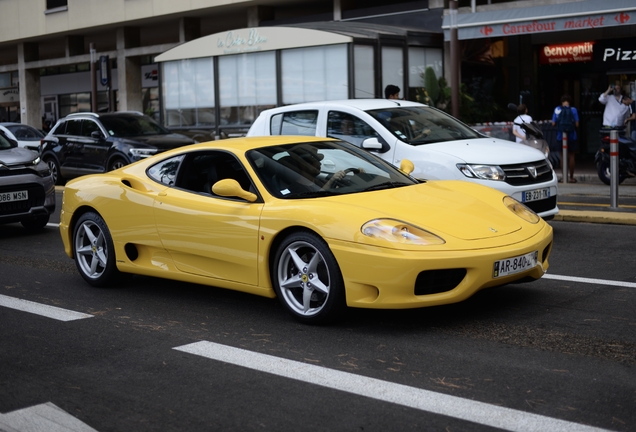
319, 223
27, 190
88, 143
440, 146
26, 136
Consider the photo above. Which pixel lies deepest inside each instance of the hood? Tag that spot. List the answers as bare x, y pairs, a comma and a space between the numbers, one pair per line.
17, 156
163, 142
487, 151
458, 211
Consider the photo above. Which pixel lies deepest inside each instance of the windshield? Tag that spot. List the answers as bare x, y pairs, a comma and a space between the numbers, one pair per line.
422, 125
4, 142
131, 126
309, 170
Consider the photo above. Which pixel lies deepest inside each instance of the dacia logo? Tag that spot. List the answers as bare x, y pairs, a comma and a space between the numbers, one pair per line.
533, 171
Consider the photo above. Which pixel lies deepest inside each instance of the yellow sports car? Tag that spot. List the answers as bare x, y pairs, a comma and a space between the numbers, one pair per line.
318, 223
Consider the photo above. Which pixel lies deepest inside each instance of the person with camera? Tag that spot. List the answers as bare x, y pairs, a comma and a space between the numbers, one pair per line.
616, 106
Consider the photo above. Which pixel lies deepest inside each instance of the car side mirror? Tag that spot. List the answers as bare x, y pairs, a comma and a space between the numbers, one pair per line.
406, 166
232, 188
372, 144
96, 135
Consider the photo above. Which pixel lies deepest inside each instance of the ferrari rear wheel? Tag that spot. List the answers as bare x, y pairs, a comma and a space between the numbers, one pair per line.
94, 251
307, 279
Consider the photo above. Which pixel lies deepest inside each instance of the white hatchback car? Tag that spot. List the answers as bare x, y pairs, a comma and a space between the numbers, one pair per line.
440, 146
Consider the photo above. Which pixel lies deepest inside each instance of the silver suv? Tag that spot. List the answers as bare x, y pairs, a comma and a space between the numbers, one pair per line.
27, 189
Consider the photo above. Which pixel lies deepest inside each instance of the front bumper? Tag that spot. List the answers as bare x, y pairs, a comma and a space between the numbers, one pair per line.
386, 278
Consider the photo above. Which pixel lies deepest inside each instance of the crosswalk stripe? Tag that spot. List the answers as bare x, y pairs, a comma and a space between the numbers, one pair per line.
41, 309
425, 400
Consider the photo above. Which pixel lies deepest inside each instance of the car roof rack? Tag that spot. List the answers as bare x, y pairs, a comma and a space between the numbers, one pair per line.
77, 114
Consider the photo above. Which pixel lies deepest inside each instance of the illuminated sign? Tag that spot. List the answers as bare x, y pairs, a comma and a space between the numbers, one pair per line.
567, 53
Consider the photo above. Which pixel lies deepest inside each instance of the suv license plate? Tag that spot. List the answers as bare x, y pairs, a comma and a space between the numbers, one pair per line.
14, 196
515, 265
535, 195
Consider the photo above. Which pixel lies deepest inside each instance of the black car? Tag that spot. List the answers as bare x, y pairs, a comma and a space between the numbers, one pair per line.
88, 143
27, 192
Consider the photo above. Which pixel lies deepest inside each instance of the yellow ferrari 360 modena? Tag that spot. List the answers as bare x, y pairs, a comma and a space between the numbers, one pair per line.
318, 223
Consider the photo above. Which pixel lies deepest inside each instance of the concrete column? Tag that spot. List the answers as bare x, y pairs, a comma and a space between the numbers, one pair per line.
128, 70
29, 87
256, 14
189, 29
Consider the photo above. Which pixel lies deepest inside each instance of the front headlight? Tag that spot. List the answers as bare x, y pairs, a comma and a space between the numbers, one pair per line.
397, 231
36, 160
484, 172
521, 210
142, 152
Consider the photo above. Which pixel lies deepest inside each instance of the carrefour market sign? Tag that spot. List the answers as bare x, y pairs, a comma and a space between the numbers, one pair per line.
567, 53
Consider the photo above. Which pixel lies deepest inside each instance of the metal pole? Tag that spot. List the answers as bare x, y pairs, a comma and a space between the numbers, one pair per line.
455, 62
93, 78
613, 169
564, 163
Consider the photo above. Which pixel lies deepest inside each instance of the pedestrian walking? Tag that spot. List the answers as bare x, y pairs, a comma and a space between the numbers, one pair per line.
566, 119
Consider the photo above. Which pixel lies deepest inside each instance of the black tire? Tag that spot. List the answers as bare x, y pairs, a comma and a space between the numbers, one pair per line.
603, 171
307, 279
94, 252
35, 224
54, 166
116, 163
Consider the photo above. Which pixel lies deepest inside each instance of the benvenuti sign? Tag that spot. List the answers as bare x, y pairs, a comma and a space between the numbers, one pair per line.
615, 54
567, 53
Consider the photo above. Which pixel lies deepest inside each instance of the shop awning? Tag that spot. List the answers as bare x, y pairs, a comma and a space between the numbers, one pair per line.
576, 15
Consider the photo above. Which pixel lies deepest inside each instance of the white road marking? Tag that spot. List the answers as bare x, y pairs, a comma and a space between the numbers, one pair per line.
588, 280
41, 309
53, 225
425, 400
44, 417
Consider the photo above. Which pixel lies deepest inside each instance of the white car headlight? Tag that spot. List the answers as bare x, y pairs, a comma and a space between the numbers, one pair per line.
142, 152
36, 160
397, 231
484, 172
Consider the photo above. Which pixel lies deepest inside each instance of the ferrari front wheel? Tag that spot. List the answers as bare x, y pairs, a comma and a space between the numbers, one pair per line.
307, 279
93, 250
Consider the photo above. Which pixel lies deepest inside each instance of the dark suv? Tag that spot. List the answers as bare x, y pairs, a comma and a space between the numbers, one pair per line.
88, 143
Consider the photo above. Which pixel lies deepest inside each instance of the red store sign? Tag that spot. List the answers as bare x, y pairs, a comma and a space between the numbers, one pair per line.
567, 53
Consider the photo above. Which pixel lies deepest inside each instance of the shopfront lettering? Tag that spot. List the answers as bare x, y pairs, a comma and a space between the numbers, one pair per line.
235, 42
533, 27
618, 54
567, 53
588, 22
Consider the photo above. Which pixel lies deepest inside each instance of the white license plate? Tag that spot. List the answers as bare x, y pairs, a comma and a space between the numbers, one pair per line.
14, 196
514, 265
535, 195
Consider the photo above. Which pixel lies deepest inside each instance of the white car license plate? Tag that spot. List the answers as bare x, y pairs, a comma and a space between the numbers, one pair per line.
514, 265
14, 196
535, 195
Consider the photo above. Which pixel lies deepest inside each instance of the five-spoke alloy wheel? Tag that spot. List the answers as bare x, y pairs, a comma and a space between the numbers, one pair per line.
93, 250
307, 279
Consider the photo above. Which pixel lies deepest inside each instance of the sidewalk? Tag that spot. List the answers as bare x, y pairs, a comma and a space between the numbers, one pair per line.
589, 199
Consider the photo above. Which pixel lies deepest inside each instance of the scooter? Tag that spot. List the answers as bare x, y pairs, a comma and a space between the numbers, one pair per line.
626, 157
534, 139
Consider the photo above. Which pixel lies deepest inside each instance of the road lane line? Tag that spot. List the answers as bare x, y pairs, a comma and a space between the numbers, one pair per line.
590, 280
53, 225
41, 309
425, 400
44, 417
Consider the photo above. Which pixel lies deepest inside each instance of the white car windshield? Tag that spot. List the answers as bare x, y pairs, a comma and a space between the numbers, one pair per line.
309, 170
422, 125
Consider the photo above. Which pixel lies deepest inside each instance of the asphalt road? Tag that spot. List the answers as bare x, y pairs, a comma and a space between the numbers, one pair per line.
556, 354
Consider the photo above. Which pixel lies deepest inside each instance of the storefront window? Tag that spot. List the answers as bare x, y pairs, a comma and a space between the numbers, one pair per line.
364, 71
392, 63
74, 102
189, 92
315, 73
247, 86
419, 60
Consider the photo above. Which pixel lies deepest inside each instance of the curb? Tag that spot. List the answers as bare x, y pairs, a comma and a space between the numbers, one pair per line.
604, 217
